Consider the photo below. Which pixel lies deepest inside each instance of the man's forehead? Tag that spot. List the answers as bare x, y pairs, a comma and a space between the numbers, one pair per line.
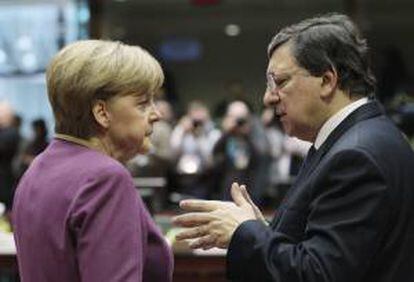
281, 60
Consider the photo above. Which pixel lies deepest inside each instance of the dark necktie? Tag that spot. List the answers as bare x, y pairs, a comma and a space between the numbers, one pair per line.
308, 159
305, 165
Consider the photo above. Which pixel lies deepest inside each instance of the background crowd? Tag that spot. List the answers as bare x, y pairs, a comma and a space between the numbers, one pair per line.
197, 154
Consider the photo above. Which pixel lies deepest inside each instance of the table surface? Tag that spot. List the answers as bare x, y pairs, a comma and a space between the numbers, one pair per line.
7, 246
203, 266
199, 265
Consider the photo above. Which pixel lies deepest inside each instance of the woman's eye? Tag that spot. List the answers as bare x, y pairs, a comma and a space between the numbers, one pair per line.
142, 102
142, 105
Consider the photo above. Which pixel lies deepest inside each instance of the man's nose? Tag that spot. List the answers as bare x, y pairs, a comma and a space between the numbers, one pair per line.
270, 98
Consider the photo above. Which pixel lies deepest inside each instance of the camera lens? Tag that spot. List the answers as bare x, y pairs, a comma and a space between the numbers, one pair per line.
241, 121
197, 123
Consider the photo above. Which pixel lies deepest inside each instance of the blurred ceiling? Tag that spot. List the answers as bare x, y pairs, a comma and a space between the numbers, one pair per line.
149, 22
134, 18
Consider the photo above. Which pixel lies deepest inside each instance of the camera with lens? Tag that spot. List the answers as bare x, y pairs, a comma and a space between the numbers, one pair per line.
240, 122
197, 123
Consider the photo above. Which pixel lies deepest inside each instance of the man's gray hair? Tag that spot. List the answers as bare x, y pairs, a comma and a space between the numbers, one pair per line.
330, 42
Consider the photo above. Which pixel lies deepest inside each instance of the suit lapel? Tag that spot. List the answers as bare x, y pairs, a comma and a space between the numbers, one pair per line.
367, 111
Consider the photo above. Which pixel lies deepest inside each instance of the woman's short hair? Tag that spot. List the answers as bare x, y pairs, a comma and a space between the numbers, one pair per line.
90, 70
330, 42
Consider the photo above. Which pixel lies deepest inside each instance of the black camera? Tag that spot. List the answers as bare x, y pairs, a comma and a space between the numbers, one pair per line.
241, 122
197, 123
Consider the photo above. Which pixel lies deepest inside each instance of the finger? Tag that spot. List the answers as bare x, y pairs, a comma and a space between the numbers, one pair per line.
192, 219
209, 246
199, 205
236, 195
246, 195
191, 233
205, 241
256, 210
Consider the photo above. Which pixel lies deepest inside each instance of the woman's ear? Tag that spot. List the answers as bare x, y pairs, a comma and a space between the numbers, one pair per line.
101, 114
329, 83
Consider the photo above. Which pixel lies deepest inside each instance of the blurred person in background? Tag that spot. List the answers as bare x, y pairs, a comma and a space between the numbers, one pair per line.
36, 145
77, 215
234, 155
276, 137
287, 154
294, 152
23, 142
242, 153
192, 143
9, 145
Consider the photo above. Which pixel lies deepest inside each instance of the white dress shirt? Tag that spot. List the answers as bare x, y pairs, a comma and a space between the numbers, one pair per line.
335, 120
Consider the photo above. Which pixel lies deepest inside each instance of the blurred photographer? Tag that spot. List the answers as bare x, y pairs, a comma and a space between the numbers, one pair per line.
236, 121
9, 141
192, 142
236, 155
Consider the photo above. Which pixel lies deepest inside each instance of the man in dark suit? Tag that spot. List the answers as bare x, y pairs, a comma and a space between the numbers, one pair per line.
350, 214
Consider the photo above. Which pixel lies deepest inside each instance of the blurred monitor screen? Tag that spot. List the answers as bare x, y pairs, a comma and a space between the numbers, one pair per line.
31, 32
180, 50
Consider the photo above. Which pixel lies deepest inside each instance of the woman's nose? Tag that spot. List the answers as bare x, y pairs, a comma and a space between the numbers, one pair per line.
156, 115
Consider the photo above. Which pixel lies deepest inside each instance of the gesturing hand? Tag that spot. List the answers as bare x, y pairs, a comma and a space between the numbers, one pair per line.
212, 223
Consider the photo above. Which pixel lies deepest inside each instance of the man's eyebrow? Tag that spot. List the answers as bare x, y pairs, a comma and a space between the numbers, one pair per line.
279, 71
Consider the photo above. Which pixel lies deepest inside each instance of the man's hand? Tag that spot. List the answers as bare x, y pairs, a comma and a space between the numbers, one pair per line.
212, 223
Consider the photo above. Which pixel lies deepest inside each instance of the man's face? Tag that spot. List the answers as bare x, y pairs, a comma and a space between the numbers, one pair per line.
294, 94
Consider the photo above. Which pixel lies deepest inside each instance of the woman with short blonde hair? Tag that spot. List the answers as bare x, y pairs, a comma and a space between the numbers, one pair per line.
89, 70
77, 216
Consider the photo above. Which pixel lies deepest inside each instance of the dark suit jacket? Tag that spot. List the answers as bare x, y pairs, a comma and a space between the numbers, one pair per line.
348, 217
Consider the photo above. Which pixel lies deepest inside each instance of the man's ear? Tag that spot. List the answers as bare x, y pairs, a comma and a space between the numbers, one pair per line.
329, 83
101, 114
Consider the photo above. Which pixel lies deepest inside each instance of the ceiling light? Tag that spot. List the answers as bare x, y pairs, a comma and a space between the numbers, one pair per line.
24, 43
232, 30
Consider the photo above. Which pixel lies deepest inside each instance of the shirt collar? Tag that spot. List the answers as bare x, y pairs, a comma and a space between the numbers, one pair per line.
335, 120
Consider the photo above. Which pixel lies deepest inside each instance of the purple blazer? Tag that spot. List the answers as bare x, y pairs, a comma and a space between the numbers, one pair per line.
78, 217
